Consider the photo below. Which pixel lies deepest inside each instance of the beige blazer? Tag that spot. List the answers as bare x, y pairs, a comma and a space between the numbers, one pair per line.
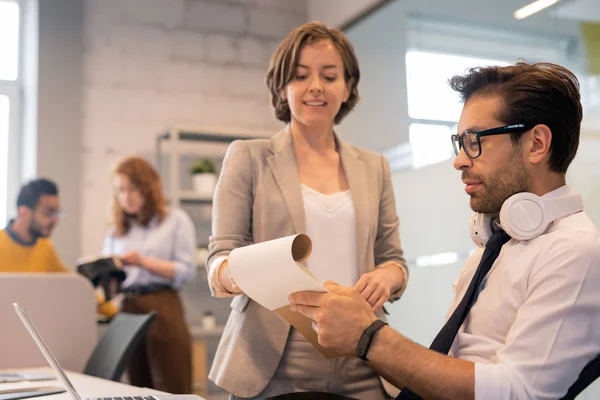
258, 198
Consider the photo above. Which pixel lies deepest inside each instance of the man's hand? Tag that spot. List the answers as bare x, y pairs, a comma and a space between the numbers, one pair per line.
376, 286
132, 258
340, 316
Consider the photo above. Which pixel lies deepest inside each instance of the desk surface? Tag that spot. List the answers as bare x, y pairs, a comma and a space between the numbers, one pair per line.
86, 386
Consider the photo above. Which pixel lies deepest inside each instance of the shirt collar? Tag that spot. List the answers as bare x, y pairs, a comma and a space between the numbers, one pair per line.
496, 225
13, 235
564, 190
151, 224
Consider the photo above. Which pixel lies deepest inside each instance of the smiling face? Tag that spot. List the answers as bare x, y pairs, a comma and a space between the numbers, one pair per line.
500, 171
318, 88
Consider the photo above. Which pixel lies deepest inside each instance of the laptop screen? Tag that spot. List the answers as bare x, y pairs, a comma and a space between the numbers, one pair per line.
60, 373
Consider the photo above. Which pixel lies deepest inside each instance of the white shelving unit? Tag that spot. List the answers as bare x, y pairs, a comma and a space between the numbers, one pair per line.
174, 148
191, 196
200, 142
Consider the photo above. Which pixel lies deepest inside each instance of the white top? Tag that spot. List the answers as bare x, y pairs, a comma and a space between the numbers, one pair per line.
536, 323
331, 226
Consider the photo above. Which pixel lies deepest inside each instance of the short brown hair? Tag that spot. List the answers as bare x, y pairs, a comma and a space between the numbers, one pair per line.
540, 93
284, 61
142, 175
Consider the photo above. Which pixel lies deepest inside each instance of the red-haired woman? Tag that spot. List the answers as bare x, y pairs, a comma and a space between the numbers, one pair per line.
157, 246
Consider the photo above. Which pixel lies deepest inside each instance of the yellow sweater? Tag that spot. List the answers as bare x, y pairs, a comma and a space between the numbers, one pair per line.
39, 257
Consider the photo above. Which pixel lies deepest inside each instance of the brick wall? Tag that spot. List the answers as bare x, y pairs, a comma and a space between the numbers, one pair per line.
148, 64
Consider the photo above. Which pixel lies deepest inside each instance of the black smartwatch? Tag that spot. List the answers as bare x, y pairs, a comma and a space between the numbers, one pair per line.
362, 348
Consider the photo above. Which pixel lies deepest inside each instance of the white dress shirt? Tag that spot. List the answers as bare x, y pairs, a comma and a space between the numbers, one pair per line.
536, 323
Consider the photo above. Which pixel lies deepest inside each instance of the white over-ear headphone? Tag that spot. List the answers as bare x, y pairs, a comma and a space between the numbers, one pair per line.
525, 216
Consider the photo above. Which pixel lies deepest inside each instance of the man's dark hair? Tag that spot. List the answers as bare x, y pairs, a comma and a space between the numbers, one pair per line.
540, 93
30, 193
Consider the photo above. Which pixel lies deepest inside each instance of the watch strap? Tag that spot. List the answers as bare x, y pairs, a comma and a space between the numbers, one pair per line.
362, 347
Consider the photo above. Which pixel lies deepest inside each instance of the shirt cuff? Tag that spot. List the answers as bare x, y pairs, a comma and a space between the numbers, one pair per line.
213, 277
183, 274
492, 382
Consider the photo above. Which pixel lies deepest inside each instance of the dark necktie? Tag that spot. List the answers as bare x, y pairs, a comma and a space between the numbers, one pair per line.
445, 337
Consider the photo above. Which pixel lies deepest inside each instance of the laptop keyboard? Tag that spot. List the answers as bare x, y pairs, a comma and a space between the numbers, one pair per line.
124, 398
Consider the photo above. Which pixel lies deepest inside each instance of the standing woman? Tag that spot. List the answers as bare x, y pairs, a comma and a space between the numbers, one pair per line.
157, 246
304, 180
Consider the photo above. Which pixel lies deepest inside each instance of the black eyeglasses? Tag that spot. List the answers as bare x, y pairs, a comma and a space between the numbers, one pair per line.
471, 140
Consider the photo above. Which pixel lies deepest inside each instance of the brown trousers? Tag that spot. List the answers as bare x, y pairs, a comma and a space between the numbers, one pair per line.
163, 361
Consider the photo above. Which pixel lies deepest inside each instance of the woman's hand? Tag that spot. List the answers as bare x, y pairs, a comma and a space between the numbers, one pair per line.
376, 286
226, 280
164, 268
133, 258
235, 288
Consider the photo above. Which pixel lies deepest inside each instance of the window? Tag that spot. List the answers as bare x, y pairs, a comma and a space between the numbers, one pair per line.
9, 89
438, 50
9, 40
433, 107
4, 112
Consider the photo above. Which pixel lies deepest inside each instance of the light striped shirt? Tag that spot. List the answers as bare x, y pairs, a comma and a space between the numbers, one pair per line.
174, 239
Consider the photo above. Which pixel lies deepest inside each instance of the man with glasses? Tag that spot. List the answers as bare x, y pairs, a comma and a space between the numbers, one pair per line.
525, 322
24, 243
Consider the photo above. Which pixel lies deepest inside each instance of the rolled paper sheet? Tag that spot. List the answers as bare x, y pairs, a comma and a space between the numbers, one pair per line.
270, 271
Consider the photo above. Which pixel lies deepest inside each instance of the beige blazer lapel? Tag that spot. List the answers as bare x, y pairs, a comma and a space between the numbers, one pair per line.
283, 164
358, 180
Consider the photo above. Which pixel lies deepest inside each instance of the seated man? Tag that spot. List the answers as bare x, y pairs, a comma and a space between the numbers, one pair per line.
526, 316
24, 244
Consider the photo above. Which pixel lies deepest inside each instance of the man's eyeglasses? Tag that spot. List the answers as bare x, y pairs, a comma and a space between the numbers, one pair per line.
471, 140
53, 214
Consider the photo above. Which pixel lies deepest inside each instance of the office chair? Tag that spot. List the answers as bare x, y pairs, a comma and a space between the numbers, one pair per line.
310, 396
113, 352
587, 376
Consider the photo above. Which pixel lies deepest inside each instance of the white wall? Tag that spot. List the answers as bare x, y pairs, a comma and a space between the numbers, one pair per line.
434, 213
379, 120
58, 114
584, 175
337, 12
148, 64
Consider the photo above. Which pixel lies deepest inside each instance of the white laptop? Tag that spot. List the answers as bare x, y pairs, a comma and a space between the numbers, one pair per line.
60, 373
